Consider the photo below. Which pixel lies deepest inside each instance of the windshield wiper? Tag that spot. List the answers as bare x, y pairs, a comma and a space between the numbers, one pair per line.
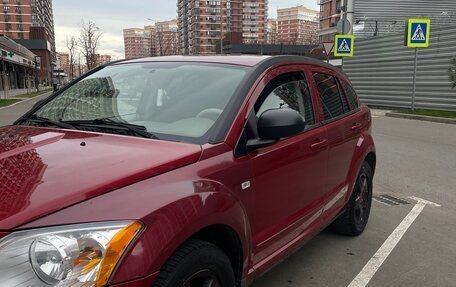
40, 120
115, 125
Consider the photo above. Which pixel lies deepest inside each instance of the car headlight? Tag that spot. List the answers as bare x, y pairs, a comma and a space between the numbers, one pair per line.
74, 255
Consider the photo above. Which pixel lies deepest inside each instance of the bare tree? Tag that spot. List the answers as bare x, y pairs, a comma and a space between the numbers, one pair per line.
72, 44
88, 41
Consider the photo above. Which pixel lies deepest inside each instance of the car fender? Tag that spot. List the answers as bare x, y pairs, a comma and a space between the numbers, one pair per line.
170, 226
173, 207
364, 147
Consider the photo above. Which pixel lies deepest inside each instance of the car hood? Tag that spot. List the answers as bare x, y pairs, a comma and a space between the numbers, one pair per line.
44, 170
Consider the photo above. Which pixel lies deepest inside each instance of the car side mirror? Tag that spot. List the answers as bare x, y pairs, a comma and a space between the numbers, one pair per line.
275, 124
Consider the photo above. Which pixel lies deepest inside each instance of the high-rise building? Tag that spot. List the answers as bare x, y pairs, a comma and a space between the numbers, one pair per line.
166, 38
27, 21
272, 31
160, 39
138, 42
297, 25
204, 24
18, 16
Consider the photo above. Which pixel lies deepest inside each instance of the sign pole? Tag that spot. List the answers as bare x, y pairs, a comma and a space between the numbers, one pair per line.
418, 34
414, 79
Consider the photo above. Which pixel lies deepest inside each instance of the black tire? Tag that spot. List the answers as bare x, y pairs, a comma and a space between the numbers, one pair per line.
195, 264
354, 218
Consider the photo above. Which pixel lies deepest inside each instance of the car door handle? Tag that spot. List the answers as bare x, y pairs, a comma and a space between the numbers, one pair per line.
356, 126
319, 144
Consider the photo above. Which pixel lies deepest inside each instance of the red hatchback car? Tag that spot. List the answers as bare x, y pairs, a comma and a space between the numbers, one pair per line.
182, 171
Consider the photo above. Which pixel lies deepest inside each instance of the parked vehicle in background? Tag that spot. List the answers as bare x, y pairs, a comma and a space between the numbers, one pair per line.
182, 171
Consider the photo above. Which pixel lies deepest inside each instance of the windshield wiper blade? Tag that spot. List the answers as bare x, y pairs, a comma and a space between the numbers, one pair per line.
111, 124
37, 119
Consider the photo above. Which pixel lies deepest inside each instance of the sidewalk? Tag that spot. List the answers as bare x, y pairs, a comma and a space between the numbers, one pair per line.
11, 94
11, 113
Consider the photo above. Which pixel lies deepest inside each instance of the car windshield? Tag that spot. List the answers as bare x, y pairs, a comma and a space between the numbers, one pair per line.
175, 101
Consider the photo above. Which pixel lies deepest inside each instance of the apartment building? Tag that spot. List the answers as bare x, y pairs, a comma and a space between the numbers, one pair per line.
204, 24
165, 38
160, 39
102, 59
272, 31
31, 24
330, 14
138, 42
17, 16
297, 25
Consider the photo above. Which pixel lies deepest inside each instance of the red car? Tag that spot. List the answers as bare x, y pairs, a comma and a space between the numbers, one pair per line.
182, 171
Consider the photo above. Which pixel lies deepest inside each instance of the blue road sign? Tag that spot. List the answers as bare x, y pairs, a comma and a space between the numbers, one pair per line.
344, 45
418, 33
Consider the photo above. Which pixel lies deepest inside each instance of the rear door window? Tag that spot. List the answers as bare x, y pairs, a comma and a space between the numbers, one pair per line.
334, 103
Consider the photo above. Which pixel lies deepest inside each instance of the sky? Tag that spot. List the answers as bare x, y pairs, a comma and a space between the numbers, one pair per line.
112, 16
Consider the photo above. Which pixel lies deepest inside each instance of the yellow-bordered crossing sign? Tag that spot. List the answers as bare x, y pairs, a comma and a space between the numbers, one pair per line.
418, 33
344, 45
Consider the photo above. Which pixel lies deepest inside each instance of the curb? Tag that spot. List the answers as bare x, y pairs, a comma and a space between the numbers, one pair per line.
421, 118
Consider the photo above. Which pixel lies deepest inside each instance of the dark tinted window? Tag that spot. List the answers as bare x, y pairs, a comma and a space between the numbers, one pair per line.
288, 92
332, 101
351, 95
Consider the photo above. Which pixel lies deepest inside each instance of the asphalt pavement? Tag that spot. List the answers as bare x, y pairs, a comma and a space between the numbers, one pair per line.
414, 159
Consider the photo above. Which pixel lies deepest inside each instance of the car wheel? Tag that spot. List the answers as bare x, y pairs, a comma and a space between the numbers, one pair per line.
197, 264
354, 219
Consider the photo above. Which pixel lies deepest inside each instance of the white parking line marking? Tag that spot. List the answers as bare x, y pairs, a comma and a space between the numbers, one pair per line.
369, 270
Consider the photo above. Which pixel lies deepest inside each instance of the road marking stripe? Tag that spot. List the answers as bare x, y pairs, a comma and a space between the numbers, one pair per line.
369, 270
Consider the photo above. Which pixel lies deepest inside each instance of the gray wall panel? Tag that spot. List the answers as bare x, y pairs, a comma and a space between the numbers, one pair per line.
441, 12
382, 71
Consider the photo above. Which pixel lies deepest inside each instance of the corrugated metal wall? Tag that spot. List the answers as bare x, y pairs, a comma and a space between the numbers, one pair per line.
391, 14
382, 71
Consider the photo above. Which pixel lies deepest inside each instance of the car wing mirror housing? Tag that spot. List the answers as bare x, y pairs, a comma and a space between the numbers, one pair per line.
275, 124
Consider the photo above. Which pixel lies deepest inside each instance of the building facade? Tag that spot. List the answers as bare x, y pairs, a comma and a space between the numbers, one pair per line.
103, 59
330, 14
165, 38
204, 24
272, 31
297, 25
63, 63
17, 66
30, 22
160, 39
138, 42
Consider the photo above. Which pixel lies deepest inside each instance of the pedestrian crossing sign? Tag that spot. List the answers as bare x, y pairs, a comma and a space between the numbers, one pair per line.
418, 33
344, 45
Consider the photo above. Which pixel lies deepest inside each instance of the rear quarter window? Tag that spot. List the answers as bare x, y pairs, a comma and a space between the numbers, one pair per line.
351, 95
333, 102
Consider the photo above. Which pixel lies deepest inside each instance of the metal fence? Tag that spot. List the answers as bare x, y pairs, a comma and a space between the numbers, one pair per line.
382, 71
389, 16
